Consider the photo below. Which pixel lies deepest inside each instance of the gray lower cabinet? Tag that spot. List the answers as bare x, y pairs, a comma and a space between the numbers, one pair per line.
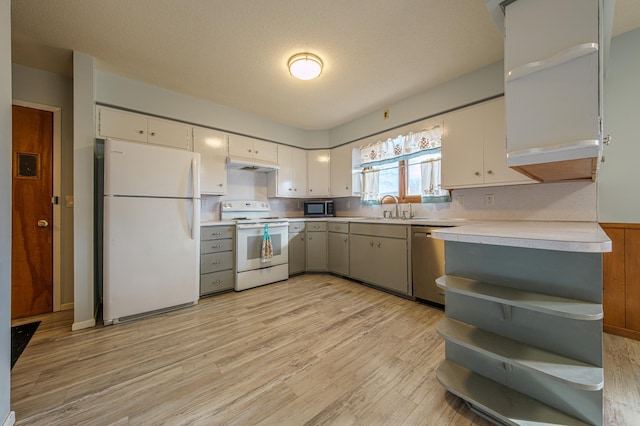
379, 255
216, 259
338, 246
316, 246
297, 248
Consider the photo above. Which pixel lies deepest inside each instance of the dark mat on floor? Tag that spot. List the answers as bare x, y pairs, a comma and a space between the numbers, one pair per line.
20, 336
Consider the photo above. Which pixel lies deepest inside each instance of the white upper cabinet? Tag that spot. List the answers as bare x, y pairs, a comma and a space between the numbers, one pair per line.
473, 148
553, 87
118, 124
212, 146
341, 171
318, 172
253, 149
290, 180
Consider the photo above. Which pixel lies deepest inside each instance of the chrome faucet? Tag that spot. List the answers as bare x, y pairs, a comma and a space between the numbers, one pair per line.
394, 199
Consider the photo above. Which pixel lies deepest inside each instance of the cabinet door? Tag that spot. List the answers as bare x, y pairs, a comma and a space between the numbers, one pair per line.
361, 261
462, 149
338, 253
265, 151
297, 253
341, 171
240, 146
299, 172
391, 264
560, 103
121, 125
316, 251
169, 133
291, 178
318, 172
212, 146
496, 170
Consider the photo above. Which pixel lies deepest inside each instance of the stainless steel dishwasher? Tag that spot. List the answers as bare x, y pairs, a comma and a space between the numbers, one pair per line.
427, 264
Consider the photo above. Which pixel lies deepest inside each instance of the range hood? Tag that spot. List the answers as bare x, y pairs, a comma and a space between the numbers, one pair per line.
250, 164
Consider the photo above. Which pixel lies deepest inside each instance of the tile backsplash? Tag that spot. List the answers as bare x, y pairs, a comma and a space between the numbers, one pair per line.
565, 201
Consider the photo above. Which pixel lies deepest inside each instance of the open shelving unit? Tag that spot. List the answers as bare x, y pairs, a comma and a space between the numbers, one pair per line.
523, 333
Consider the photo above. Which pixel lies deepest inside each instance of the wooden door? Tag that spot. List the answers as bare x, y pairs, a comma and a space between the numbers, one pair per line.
32, 220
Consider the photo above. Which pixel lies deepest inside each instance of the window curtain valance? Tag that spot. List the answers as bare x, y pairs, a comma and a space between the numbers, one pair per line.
402, 147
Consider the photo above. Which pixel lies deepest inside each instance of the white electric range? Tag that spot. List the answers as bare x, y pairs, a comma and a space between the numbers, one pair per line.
252, 269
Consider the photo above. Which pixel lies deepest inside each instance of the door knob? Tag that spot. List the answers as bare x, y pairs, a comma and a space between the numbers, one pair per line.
43, 223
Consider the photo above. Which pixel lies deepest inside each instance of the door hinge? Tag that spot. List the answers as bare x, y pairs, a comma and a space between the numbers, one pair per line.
55, 200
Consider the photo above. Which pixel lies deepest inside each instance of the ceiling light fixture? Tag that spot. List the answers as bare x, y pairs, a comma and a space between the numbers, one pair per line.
305, 66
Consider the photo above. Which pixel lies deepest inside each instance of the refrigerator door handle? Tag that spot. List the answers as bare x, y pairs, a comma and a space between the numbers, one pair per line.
195, 178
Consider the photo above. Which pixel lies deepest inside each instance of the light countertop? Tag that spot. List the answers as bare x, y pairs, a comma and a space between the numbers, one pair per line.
585, 237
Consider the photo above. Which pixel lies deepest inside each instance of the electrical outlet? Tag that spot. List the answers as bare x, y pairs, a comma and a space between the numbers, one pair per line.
69, 200
460, 199
488, 199
348, 204
386, 114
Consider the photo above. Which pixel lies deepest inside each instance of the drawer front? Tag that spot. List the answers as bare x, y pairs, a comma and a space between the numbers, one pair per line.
216, 281
216, 232
341, 227
214, 262
392, 231
214, 246
316, 226
296, 227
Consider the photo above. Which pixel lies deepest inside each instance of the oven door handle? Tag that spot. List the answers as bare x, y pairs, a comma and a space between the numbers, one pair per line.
261, 226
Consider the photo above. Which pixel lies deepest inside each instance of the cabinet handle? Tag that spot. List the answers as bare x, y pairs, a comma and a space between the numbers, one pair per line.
310, 190
477, 173
153, 133
346, 240
249, 150
310, 237
217, 262
256, 151
346, 187
378, 244
141, 132
217, 281
371, 243
220, 185
490, 172
218, 246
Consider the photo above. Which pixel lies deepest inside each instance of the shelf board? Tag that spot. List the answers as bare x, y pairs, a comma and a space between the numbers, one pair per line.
566, 370
498, 402
551, 305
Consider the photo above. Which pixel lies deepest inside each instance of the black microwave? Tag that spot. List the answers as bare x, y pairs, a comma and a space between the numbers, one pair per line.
318, 208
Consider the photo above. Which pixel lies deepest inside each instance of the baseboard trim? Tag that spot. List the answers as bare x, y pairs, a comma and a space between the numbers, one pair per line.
83, 324
10, 420
66, 306
620, 331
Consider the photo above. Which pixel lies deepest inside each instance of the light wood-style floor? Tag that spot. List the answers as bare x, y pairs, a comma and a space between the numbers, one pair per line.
315, 349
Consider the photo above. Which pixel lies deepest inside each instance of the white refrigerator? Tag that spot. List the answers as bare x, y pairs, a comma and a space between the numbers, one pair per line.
151, 229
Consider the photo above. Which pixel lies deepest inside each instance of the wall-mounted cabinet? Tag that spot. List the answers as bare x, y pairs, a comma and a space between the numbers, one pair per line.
212, 146
319, 173
341, 170
112, 123
553, 86
253, 149
473, 148
290, 180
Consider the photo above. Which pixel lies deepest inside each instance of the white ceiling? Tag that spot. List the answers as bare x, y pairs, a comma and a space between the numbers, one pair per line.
234, 52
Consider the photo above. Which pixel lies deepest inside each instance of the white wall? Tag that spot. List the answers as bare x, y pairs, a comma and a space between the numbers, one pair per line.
5, 209
83, 161
121, 92
618, 195
481, 84
42, 87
